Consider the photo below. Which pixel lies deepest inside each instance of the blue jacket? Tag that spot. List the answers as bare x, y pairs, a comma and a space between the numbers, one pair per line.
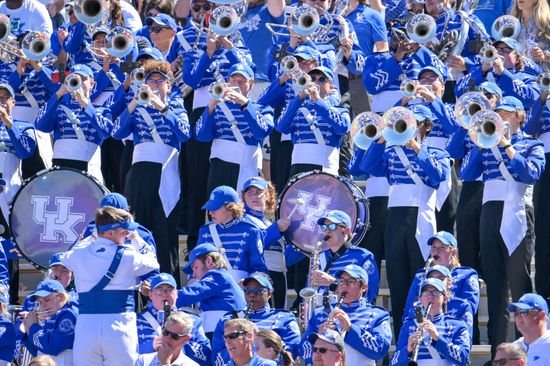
7, 339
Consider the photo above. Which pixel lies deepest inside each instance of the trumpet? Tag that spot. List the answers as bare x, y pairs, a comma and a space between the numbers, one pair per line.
144, 97
366, 128
224, 21
488, 54
35, 46
487, 128
304, 21
399, 126
421, 316
421, 28
10, 50
290, 65
89, 11
301, 81
309, 293
468, 105
119, 42
543, 81
217, 90
5, 27
505, 26
408, 87
73, 82
138, 76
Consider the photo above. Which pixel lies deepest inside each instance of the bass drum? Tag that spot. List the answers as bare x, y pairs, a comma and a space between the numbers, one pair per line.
317, 193
51, 210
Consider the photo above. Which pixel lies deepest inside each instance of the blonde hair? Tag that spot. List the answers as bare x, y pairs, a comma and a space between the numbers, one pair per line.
243, 325
218, 261
541, 16
109, 215
43, 360
270, 196
236, 209
271, 339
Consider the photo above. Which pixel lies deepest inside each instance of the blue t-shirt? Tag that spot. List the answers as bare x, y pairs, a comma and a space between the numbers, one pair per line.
369, 26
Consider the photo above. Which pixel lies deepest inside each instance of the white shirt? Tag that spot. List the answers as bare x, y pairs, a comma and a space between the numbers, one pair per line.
32, 15
131, 17
151, 359
538, 352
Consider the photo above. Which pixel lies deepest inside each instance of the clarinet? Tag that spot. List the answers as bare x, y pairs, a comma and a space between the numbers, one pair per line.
167, 311
421, 316
248, 310
338, 305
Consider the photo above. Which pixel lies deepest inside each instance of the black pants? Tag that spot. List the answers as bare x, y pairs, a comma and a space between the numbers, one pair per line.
374, 239
13, 265
501, 270
541, 200
142, 188
281, 159
279, 289
468, 214
69, 163
32, 165
111, 155
222, 173
403, 258
125, 163
445, 217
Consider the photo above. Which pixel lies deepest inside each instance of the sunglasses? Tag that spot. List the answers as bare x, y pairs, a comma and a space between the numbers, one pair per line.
523, 313
254, 290
331, 227
323, 350
320, 79
174, 336
233, 335
502, 361
157, 28
205, 7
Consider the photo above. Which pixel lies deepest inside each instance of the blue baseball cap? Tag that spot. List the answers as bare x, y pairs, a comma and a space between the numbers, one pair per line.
336, 216
124, 224
151, 52
421, 112
510, 42
433, 69
354, 271
46, 288
330, 336
325, 70
243, 70
510, 104
306, 52
82, 70
257, 182
8, 88
197, 252
160, 72
490, 87
441, 269
161, 19
100, 30
529, 302
435, 282
114, 200
55, 260
261, 278
163, 279
445, 237
220, 196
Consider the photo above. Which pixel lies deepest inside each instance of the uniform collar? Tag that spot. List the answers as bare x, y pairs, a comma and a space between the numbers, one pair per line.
230, 223
354, 304
255, 213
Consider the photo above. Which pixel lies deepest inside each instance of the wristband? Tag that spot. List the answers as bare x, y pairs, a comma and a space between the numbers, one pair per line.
164, 110
245, 105
507, 146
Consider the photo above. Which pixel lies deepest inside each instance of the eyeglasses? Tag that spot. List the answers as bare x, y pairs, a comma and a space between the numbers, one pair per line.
348, 282
502, 361
233, 335
505, 50
254, 193
489, 95
323, 350
205, 7
254, 290
164, 290
157, 28
320, 79
4, 99
156, 82
174, 336
433, 293
331, 227
524, 313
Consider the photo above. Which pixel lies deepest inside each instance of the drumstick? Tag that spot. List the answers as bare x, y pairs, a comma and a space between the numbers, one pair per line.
299, 202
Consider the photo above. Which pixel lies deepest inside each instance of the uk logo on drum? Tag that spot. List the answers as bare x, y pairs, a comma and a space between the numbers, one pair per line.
313, 207
58, 224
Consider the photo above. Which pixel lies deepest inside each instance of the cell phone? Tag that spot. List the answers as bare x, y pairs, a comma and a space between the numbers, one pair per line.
128, 66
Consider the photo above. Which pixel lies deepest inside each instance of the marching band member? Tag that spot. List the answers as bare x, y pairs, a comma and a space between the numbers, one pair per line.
51, 329
176, 333
258, 197
7, 330
323, 352
163, 295
534, 17
162, 31
79, 128
214, 288
414, 172
506, 225
366, 328
316, 126
257, 291
241, 240
107, 269
269, 345
159, 126
441, 338
190, 37
238, 335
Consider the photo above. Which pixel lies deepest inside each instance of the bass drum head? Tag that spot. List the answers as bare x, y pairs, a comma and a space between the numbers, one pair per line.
320, 192
51, 210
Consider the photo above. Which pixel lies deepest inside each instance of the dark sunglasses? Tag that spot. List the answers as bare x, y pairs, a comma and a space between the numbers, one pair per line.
320, 79
323, 350
331, 227
233, 335
157, 28
254, 290
174, 336
205, 7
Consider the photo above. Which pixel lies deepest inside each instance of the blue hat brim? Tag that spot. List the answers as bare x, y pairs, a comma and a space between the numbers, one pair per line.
508, 108
40, 293
212, 206
164, 282
519, 305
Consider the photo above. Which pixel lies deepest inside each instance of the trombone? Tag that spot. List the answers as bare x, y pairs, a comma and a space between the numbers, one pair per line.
505, 26
304, 21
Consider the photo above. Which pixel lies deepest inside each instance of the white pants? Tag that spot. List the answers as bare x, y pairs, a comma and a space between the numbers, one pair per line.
105, 340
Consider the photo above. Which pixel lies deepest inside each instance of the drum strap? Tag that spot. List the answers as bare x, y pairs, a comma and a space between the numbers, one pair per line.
186, 46
152, 322
75, 122
152, 128
407, 164
311, 120
217, 241
501, 166
231, 118
107, 277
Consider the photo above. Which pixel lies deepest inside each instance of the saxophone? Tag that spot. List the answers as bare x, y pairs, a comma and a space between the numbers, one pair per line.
309, 293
